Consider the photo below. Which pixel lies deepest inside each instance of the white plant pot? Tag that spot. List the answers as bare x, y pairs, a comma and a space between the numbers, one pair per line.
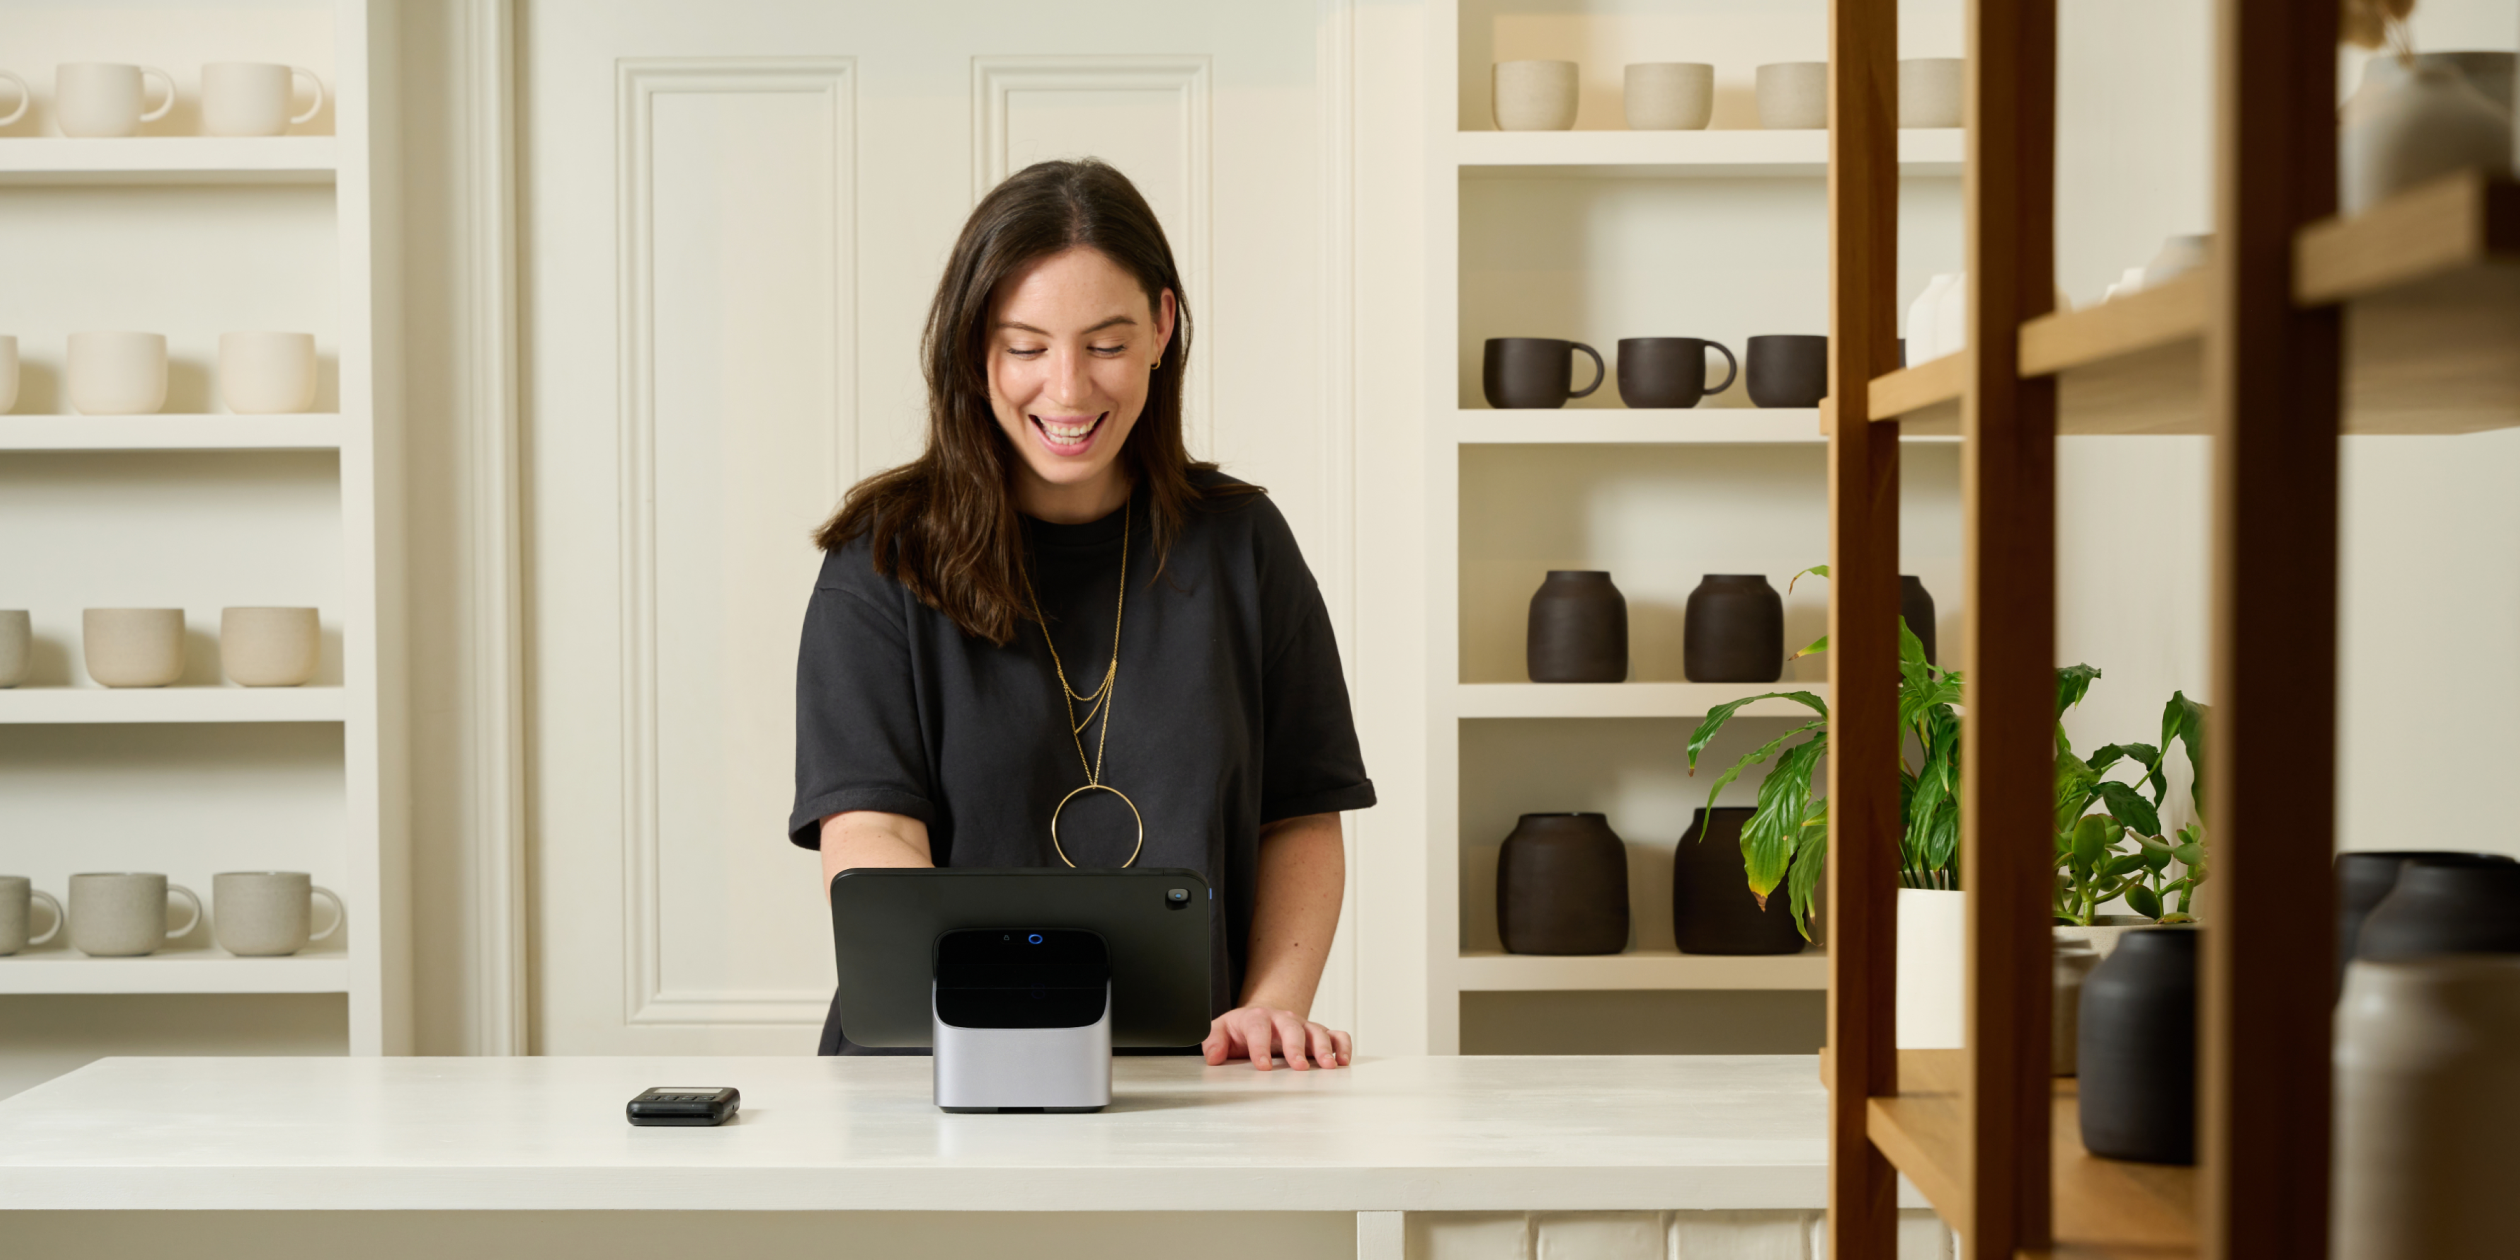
1933, 969
2428, 1109
1923, 344
2424, 125
2104, 932
1533, 95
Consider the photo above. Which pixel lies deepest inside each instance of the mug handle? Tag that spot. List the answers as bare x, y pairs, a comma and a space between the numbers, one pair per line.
341, 914
47, 898
1600, 371
308, 116
164, 106
1732, 368
26, 98
195, 920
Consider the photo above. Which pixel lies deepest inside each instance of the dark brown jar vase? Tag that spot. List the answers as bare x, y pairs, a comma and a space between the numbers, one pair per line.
1916, 608
1562, 886
1578, 630
1734, 630
1712, 911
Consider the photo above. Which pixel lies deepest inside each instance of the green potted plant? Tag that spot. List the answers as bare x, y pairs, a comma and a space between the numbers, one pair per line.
2112, 843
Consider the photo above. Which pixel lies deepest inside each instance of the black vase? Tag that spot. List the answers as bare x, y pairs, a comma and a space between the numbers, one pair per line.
1712, 911
1787, 371
1916, 607
1734, 630
1578, 630
2364, 878
1561, 886
2137, 1049
2457, 904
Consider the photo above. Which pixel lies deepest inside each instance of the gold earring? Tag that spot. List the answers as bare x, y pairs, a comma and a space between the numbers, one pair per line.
1158, 363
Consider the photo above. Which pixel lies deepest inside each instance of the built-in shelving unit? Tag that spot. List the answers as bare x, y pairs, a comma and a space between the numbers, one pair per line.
1624, 700
1683, 154
1485, 971
192, 236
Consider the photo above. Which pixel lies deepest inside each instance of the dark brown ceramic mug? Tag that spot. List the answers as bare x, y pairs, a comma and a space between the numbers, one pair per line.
1788, 371
1669, 371
1534, 372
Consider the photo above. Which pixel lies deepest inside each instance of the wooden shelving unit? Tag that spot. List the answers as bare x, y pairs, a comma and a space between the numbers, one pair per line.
2302, 327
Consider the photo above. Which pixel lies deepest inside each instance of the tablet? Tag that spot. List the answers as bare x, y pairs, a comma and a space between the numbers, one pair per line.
1155, 924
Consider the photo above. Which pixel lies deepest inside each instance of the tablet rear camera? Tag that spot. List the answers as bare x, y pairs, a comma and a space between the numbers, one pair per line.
1177, 897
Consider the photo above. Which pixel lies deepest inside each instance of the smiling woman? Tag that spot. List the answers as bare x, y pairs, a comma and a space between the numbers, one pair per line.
1206, 725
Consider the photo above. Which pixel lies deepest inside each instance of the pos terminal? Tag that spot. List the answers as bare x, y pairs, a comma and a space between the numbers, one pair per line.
1023, 982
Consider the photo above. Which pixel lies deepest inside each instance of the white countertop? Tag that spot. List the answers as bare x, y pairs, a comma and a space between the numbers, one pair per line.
1429, 1134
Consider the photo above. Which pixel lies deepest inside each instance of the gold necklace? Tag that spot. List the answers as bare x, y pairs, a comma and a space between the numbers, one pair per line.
1097, 701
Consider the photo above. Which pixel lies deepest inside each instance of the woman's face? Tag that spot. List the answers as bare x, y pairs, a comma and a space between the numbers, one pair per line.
1073, 344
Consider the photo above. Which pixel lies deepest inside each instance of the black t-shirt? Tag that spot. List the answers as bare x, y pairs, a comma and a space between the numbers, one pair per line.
1229, 710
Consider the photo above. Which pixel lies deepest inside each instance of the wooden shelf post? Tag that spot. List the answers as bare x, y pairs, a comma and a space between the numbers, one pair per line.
2273, 393
1864, 815
2008, 492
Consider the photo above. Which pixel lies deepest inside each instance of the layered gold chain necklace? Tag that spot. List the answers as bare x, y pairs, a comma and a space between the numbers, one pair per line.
1096, 701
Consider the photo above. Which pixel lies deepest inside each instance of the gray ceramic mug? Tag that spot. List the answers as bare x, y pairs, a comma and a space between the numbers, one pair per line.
265, 914
123, 914
18, 895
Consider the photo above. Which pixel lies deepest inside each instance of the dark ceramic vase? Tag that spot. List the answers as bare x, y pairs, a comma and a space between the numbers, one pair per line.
1787, 371
2459, 904
2137, 1049
1534, 372
2364, 878
1712, 911
1734, 630
1578, 630
1562, 886
1669, 371
1916, 607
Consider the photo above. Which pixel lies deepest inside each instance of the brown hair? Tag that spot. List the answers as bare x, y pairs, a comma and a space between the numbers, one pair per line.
944, 525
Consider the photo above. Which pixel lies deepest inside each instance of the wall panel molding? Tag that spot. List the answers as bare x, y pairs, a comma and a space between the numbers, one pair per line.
641, 81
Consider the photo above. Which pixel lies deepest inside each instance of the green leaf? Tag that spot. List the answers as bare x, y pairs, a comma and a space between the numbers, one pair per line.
1819, 569
2142, 901
1818, 646
2092, 837
2129, 806
2071, 682
2189, 854
1768, 840
1760, 754
1722, 713
2108, 755
1811, 863
2184, 720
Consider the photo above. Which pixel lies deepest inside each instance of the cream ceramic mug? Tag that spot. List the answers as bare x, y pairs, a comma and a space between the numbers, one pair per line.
269, 647
18, 895
117, 373
26, 101
266, 914
8, 373
267, 373
252, 98
123, 914
101, 98
133, 647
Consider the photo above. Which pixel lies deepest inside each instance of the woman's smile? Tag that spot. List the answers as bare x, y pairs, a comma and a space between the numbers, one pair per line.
1069, 435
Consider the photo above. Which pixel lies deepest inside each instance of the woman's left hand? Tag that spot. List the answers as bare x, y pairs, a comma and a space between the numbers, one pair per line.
1258, 1033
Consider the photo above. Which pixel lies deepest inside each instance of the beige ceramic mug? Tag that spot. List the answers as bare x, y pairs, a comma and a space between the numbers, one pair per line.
267, 373
18, 895
252, 98
266, 914
117, 373
123, 914
26, 101
1793, 95
8, 373
98, 98
1533, 95
133, 647
269, 647
17, 646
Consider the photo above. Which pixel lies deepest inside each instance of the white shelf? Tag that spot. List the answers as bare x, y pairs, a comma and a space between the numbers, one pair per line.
173, 433
1685, 154
1642, 969
170, 160
179, 971
1734, 425
1623, 700
31, 706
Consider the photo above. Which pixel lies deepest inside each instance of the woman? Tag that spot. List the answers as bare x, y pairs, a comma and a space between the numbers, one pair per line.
1055, 639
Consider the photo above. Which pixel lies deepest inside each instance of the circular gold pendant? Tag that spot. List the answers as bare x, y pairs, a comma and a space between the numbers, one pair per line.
1097, 787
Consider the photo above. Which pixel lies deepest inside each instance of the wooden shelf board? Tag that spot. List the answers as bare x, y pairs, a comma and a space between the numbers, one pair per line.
172, 433
1686, 154
21, 706
1623, 700
2113, 1207
170, 160
1921, 1130
1487, 972
1919, 396
1639, 426
180, 971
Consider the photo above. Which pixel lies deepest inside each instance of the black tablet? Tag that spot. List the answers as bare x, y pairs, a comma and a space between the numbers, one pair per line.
1155, 923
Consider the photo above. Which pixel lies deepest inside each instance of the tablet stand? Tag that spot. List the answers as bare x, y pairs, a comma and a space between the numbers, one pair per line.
1022, 1021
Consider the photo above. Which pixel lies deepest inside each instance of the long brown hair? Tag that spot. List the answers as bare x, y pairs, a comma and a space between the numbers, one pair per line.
944, 525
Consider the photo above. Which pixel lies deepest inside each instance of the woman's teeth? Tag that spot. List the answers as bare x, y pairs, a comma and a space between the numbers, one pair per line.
1067, 434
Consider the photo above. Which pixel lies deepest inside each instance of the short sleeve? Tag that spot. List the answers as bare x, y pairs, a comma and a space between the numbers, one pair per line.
1310, 760
858, 734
